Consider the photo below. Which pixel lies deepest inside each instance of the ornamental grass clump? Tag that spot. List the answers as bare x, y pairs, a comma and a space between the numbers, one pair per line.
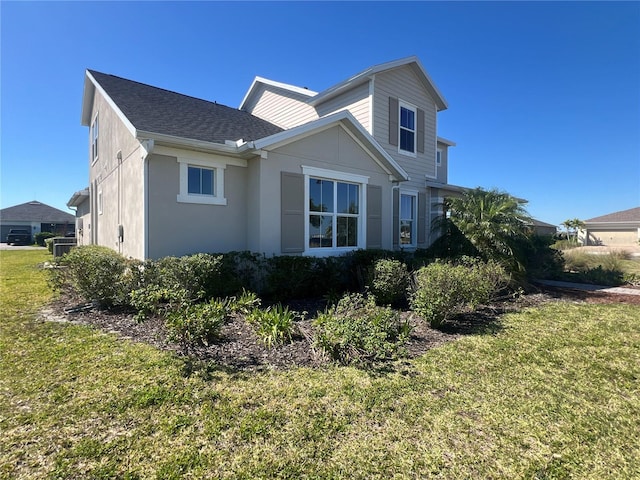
356, 330
443, 289
274, 325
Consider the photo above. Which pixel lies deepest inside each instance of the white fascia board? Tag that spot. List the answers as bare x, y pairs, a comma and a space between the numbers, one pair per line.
283, 86
446, 186
243, 150
78, 197
86, 108
444, 141
628, 224
346, 120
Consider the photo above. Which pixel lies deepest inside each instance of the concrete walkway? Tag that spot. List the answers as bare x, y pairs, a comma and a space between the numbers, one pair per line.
588, 287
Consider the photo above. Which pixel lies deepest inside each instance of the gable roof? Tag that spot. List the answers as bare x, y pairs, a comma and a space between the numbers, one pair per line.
348, 122
367, 74
35, 211
632, 215
149, 110
353, 81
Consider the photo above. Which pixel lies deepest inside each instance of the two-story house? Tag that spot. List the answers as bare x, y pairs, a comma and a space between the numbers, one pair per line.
292, 171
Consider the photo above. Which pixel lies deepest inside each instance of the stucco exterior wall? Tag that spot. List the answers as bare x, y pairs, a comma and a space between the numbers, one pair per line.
177, 228
331, 149
117, 177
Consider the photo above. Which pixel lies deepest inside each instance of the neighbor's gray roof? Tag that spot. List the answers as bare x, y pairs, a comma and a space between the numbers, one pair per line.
35, 211
631, 215
155, 110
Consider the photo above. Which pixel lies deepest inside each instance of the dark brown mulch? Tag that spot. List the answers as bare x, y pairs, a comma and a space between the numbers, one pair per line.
239, 348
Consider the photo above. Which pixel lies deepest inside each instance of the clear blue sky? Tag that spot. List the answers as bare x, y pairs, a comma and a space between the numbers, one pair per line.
544, 98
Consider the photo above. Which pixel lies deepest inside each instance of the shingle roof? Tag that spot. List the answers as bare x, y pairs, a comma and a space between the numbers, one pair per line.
35, 211
156, 110
631, 215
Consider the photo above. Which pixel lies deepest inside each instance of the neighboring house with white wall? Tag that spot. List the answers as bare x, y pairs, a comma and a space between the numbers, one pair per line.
617, 228
292, 171
36, 217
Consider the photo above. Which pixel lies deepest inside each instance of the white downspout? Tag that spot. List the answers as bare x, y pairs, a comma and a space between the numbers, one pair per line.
147, 149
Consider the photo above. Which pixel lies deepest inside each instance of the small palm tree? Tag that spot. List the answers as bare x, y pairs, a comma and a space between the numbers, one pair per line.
494, 222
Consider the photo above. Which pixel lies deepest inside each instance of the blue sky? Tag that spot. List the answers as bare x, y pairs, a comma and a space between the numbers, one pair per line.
544, 97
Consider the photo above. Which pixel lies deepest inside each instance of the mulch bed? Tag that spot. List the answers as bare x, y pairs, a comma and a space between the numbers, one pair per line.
240, 349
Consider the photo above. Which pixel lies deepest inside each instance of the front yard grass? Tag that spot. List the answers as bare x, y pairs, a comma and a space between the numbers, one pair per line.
554, 394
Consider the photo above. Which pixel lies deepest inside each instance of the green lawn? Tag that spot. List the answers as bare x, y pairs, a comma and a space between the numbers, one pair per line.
554, 394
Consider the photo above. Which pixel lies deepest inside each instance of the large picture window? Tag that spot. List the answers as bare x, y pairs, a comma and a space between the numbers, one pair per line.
408, 219
335, 211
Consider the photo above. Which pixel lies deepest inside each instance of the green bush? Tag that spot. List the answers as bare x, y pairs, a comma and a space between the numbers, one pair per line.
49, 244
441, 290
197, 324
96, 274
389, 280
42, 236
357, 330
156, 300
274, 325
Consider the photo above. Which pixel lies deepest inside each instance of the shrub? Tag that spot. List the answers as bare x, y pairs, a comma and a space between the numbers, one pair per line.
245, 303
274, 325
197, 324
388, 282
49, 244
441, 290
156, 300
42, 236
290, 277
358, 330
96, 274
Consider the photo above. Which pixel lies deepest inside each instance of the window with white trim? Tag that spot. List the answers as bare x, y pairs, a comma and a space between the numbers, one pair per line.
439, 157
335, 210
201, 182
408, 219
94, 140
407, 126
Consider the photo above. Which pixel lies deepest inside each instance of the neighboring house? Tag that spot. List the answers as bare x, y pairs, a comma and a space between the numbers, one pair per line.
544, 229
292, 171
618, 228
36, 217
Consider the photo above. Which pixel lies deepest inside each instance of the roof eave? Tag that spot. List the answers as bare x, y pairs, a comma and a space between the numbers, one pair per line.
284, 86
78, 197
347, 121
243, 150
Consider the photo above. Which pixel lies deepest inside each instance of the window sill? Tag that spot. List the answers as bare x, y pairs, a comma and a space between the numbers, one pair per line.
202, 200
407, 153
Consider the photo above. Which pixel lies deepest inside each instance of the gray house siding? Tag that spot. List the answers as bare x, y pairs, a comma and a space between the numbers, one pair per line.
286, 109
403, 85
355, 101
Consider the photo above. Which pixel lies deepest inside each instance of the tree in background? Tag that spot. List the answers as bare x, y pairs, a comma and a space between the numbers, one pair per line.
573, 226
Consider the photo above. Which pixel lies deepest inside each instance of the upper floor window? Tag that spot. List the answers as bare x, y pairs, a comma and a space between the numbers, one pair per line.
439, 157
407, 126
94, 140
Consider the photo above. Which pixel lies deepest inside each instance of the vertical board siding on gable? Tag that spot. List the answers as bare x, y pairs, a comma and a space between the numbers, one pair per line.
403, 84
356, 101
285, 109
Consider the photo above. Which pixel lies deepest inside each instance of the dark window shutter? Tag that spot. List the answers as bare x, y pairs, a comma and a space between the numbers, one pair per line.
393, 121
292, 214
420, 139
374, 216
396, 218
422, 217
